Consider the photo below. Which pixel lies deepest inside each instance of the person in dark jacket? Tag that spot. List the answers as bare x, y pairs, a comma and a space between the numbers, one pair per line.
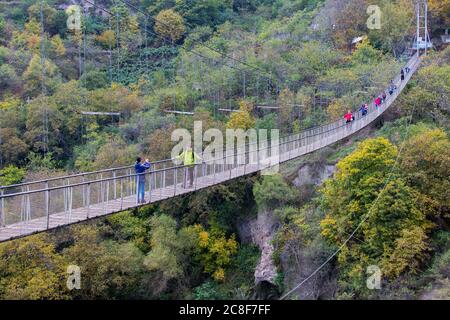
363, 109
140, 169
402, 75
392, 87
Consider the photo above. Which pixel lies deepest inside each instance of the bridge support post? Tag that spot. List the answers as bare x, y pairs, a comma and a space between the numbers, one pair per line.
150, 187
195, 176
175, 181
88, 200
214, 171
164, 176
47, 204
121, 193
115, 186
2, 210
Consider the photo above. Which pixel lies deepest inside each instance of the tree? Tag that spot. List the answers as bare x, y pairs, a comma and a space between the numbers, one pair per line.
365, 191
425, 162
33, 76
30, 268
8, 77
169, 25
169, 256
310, 61
365, 53
208, 12
107, 39
241, 119
94, 79
122, 155
11, 175
49, 14
13, 149
36, 130
429, 98
395, 24
272, 192
350, 22
108, 269
214, 251
337, 109
286, 104
439, 13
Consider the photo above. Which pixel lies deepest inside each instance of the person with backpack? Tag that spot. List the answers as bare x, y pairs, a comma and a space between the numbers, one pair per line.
392, 87
363, 109
402, 74
140, 169
348, 116
188, 157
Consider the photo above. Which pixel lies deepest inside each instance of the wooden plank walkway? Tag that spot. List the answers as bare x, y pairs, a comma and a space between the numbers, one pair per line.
292, 147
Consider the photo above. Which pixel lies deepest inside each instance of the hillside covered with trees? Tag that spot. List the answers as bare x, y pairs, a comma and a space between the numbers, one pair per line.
145, 58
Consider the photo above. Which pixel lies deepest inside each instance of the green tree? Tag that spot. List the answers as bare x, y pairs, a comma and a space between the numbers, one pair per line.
34, 75
8, 77
272, 192
13, 149
168, 258
11, 175
36, 134
109, 269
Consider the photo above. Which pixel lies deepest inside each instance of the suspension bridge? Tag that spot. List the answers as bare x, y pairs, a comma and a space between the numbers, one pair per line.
37, 206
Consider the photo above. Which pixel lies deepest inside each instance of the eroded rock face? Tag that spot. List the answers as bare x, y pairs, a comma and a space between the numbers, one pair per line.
262, 230
311, 174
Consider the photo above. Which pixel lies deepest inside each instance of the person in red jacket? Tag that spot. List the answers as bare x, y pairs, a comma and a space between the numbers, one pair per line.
348, 116
377, 101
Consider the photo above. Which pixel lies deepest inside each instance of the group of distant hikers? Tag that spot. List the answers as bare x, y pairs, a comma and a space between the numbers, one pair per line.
379, 100
188, 158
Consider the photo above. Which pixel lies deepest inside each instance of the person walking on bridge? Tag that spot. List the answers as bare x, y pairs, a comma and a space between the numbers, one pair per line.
392, 87
140, 169
188, 156
363, 109
402, 75
348, 116
377, 101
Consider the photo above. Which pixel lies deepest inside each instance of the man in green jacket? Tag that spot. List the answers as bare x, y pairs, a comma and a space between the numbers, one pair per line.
188, 158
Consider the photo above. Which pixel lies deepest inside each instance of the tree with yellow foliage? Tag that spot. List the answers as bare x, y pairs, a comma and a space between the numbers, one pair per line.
30, 268
170, 25
214, 250
286, 105
242, 119
393, 230
440, 12
337, 109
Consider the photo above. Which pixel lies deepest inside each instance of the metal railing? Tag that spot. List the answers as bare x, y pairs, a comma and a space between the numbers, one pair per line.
46, 204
